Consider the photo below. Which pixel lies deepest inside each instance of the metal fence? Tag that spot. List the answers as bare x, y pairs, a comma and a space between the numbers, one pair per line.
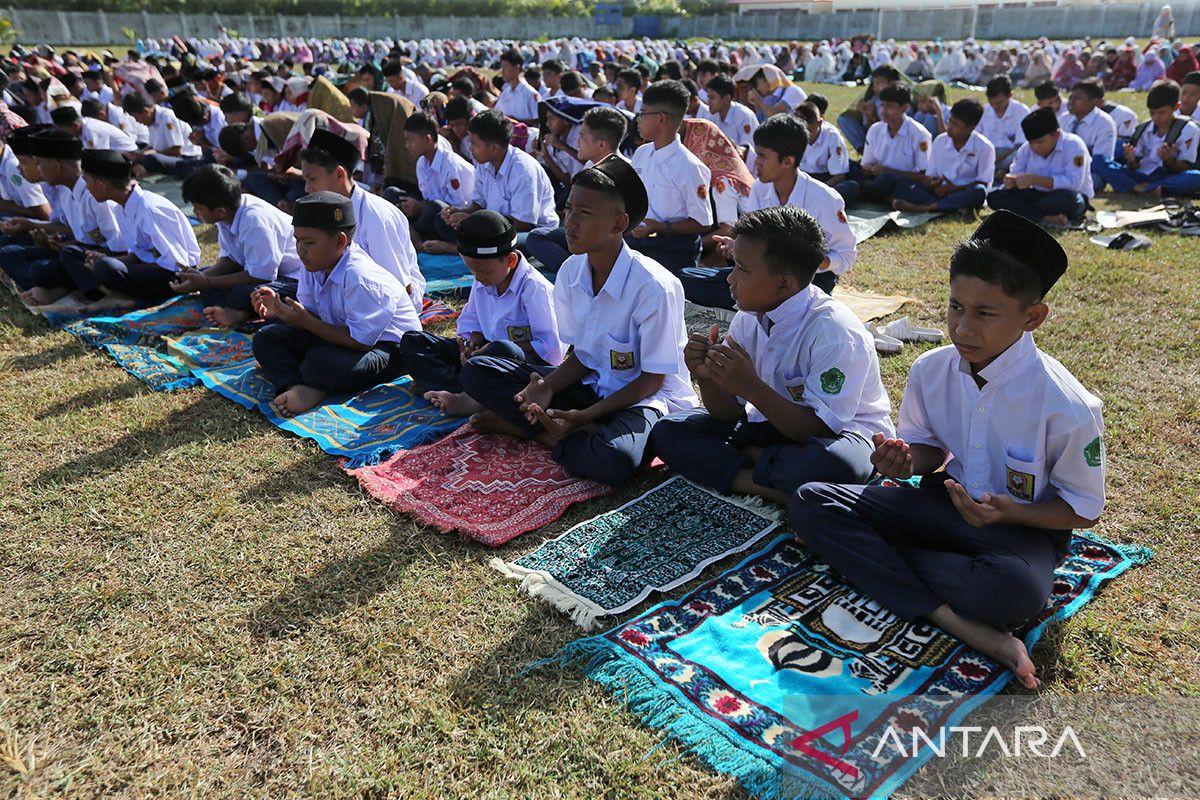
83, 28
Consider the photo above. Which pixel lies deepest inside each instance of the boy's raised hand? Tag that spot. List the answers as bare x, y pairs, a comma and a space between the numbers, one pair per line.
731, 367
891, 458
265, 300
534, 397
991, 510
695, 351
724, 246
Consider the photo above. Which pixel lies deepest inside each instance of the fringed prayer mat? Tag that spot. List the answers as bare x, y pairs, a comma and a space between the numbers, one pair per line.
781, 675
434, 312
490, 488
444, 274
657, 542
364, 428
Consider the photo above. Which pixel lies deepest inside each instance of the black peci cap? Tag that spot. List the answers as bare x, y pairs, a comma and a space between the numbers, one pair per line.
327, 211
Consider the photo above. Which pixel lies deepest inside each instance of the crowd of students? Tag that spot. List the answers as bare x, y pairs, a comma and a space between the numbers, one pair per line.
634, 199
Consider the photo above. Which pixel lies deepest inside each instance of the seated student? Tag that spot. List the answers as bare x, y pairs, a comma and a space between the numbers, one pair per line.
961, 167
157, 238
518, 100
238, 109
507, 180
95, 88
206, 119
734, 119
677, 182
1189, 96
973, 550
444, 177
1160, 157
773, 92
897, 148
79, 223
1047, 96
793, 394
169, 148
826, 158
458, 115
558, 148
402, 82
600, 136
1050, 180
1126, 120
94, 133
19, 196
622, 313
115, 115
341, 333
509, 314
1001, 123
572, 85
1088, 121
855, 121
628, 88
256, 247
328, 165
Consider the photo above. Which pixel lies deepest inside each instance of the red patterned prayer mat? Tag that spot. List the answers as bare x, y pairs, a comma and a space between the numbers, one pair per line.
490, 488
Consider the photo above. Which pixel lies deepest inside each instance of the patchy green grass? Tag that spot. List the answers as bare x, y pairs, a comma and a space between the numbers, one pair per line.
194, 604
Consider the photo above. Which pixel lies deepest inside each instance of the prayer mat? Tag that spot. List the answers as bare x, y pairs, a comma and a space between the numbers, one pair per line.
489, 488
868, 219
781, 675
170, 187
364, 428
434, 312
657, 542
444, 274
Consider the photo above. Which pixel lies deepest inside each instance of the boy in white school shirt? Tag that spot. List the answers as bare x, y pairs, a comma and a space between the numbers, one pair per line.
509, 314
1001, 123
973, 550
328, 164
622, 313
517, 99
19, 197
256, 241
168, 137
961, 167
507, 180
826, 157
1161, 156
793, 392
734, 119
897, 148
443, 176
95, 134
1050, 180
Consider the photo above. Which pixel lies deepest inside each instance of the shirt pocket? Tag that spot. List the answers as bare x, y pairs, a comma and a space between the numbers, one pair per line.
620, 354
1022, 478
793, 385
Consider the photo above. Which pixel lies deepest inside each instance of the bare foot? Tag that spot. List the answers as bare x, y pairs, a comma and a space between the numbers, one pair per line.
225, 317
490, 422
1000, 645
438, 247
297, 400
1144, 188
42, 296
453, 404
1056, 219
904, 205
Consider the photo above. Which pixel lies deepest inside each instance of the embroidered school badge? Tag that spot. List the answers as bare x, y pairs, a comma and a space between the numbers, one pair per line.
746, 128
1020, 484
338, 215
1079, 161
454, 184
519, 334
620, 361
170, 126
838, 149
841, 215
832, 381
719, 185
796, 392
702, 192
1093, 454
924, 146
95, 235
16, 179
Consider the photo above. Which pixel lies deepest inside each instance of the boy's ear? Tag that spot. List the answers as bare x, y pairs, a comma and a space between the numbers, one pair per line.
1035, 315
512, 259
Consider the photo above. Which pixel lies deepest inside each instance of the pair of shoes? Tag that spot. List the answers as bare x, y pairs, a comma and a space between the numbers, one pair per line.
890, 338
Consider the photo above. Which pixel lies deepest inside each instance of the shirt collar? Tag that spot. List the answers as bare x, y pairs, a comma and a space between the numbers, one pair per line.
518, 279
1008, 364
339, 269
668, 151
616, 279
793, 310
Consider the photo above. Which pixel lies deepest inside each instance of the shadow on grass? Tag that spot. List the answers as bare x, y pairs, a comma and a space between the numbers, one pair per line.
92, 398
49, 357
313, 468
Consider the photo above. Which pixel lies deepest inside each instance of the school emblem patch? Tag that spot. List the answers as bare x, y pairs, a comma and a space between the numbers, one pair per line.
16, 179
520, 334
924, 146
170, 126
746, 128
702, 192
838, 149
719, 185
95, 235
841, 215
338, 215
620, 361
796, 392
1020, 484
1079, 161
454, 184
1093, 454
832, 381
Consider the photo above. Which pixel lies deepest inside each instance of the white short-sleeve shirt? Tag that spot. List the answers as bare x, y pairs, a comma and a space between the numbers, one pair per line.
381, 230
92, 222
13, 186
634, 324
1032, 432
450, 178
1124, 117
827, 154
907, 151
520, 189
167, 131
739, 123
1069, 164
1146, 150
790, 96
1097, 129
817, 353
261, 239
676, 182
360, 295
100, 135
157, 232
974, 163
524, 314
1004, 132
827, 208
519, 102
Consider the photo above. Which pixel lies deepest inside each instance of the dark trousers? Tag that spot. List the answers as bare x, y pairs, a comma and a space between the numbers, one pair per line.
709, 286
674, 252
260, 184
548, 246
24, 262
238, 297
610, 451
911, 551
148, 283
176, 165
881, 188
913, 192
424, 222
708, 451
848, 188
434, 362
289, 356
1034, 204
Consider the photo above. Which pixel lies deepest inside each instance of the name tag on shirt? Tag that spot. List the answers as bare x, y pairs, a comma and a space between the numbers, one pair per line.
520, 334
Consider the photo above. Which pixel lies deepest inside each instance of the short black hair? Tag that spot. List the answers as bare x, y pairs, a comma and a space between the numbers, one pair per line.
820, 101
570, 81
607, 124
720, 84
91, 108
1191, 79
1090, 88
230, 139
997, 86
464, 86
213, 186
807, 112
630, 77
421, 123
237, 103
491, 126
599, 181
1045, 90
669, 94
1162, 93
554, 65
189, 108
784, 134
793, 241
886, 71
708, 65
1015, 278
533, 75
359, 96
392, 68
134, 103
968, 111
896, 93
324, 159
71, 79
153, 85
671, 70
458, 108
512, 56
